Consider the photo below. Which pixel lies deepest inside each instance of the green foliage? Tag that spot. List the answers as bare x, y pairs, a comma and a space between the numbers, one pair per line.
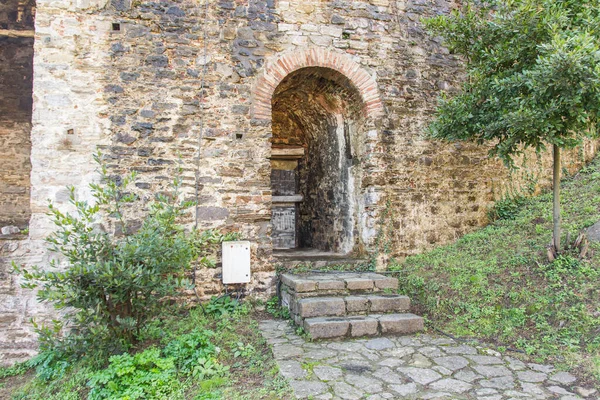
50, 364
153, 374
14, 370
219, 306
244, 350
192, 355
533, 75
110, 286
497, 284
274, 308
507, 208
145, 375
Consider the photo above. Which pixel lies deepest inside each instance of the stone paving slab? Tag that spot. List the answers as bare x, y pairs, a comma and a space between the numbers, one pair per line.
411, 367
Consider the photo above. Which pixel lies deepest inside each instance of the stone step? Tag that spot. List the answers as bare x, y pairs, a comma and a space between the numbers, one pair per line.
357, 326
336, 284
311, 307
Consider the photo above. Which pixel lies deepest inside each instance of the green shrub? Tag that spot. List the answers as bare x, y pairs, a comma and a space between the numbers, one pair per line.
111, 285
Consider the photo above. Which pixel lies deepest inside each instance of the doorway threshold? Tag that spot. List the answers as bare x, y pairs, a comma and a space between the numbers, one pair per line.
316, 259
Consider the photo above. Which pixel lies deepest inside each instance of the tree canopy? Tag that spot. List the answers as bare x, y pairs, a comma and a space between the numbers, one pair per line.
533, 74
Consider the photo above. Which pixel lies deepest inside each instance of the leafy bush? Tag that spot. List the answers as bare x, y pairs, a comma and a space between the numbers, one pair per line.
194, 362
112, 285
507, 208
153, 374
222, 305
192, 351
50, 364
145, 375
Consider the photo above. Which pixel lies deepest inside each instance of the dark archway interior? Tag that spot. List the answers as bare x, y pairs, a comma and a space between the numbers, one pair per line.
16, 86
319, 110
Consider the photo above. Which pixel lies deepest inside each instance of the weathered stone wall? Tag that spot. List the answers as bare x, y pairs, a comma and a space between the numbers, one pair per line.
158, 86
16, 71
67, 126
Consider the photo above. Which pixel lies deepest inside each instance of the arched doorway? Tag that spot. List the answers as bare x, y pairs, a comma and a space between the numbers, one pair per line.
321, 108
317, 120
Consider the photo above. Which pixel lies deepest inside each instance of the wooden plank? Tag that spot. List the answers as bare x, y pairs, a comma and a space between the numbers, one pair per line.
11, 33
287, 152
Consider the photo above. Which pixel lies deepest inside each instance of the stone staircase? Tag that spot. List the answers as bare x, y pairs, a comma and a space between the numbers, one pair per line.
333, 305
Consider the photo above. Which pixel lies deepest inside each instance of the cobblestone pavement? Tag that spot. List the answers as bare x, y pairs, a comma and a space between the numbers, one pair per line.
411, 367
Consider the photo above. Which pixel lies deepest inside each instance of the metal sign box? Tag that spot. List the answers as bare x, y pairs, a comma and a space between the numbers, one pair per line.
236, 262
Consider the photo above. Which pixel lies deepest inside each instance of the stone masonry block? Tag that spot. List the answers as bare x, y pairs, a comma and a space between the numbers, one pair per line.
288, 301
400, 323
356, 304
363, 326
298, 320
298, 284
331, 285
322, 328
389, 303
386, 283
321, 307
359, 283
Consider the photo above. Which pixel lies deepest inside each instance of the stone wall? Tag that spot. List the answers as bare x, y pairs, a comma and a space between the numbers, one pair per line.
67, 126
159, 85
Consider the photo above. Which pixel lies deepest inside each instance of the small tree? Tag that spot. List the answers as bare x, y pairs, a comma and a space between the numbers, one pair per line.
533, 78
111, 285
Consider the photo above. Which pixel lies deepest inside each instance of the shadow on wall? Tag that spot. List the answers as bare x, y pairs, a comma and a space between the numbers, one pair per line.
16, 86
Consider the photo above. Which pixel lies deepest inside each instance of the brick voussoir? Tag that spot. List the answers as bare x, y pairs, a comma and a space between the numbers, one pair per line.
318, 57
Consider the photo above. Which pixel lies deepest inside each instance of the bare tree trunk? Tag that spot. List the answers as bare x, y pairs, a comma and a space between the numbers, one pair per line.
556, 199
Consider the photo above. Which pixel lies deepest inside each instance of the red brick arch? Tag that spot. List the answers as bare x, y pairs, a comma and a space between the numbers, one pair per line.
278, 69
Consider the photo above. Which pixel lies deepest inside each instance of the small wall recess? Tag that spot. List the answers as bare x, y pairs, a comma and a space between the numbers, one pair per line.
116, 27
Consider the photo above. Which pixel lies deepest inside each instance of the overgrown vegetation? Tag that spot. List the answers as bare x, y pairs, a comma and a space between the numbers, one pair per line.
211, 353
497, 284
125, 333
111, 285
274, 307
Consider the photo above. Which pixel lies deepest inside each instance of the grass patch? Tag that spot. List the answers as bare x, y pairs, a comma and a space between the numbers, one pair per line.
214, 353
497, 284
